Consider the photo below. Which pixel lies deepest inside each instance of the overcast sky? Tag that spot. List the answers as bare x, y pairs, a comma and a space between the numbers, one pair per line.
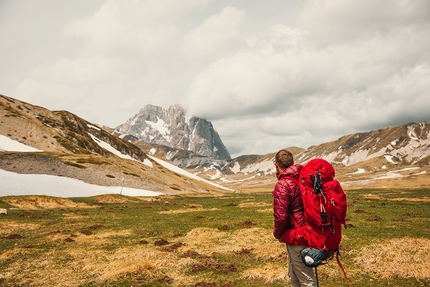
268, 74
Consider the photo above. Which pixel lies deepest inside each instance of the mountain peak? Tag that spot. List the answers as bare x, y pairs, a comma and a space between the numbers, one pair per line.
172, 128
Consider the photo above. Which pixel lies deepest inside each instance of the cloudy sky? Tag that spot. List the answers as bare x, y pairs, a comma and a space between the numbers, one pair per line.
268, 74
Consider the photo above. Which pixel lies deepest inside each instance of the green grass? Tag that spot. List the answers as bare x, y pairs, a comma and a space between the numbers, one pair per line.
80, 241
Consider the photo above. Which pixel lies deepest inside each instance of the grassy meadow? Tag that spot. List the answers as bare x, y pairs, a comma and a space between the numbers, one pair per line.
203, 240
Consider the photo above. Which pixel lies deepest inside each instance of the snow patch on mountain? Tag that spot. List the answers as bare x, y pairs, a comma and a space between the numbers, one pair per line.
8, 144
176, 169
389, 158
50, 185
93, 127
411, 134
265, 166
216, 175
236, 167
161, 127
361, 155
111, 149
171, 154
359, 171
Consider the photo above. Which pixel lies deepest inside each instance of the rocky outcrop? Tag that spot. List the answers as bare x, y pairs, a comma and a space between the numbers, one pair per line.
172, 128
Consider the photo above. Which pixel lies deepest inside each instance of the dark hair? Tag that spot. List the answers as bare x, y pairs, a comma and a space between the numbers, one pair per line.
284, 158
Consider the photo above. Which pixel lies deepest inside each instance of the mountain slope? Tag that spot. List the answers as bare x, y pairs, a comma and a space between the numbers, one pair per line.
392, 156
408, 144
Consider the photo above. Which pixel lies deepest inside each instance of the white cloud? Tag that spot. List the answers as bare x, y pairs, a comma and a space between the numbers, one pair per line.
129, 29
314, 82
336, 21
217, 35
322, 69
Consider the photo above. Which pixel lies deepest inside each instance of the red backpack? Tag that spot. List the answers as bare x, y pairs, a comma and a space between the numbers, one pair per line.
325, 211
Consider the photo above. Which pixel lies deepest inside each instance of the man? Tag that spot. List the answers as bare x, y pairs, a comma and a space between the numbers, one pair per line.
288, 213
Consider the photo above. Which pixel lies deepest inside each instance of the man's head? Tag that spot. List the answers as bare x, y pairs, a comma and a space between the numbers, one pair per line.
283, 159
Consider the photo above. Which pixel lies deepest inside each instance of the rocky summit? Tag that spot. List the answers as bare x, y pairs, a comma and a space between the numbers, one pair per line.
174, 129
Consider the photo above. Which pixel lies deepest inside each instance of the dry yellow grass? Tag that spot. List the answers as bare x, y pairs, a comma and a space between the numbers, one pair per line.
413, 199
10, 227
98, 239
78, 267
111, 198
403, 257
36, 202
270, 273
191, 209
92, 258
253, 204
79, 264
207, 241
267, 210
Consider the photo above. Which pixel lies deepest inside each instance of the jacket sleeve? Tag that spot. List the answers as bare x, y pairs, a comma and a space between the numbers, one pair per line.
281, 204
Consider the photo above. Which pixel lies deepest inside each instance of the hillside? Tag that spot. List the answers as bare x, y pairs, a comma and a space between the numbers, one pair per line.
70, 146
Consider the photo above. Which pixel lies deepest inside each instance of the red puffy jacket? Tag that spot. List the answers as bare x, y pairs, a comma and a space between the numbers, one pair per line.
287, 203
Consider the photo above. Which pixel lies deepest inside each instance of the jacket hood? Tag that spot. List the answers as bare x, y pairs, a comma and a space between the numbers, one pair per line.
291, 171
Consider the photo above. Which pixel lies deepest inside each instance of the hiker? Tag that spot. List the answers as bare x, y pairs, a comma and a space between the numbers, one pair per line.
289, 214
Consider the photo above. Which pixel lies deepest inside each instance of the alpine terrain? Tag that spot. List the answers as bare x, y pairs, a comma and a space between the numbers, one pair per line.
142, 149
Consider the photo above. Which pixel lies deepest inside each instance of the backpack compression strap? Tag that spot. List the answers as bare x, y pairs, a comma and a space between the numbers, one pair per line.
316, 180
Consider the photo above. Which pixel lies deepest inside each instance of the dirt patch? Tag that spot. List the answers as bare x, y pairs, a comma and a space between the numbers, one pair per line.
400, 257
245, 251
173, 247
166, 279
89, 230
224, 227
210, 264
14, 236
161, 242
247, 224
69, 239
207, 284
193, 254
